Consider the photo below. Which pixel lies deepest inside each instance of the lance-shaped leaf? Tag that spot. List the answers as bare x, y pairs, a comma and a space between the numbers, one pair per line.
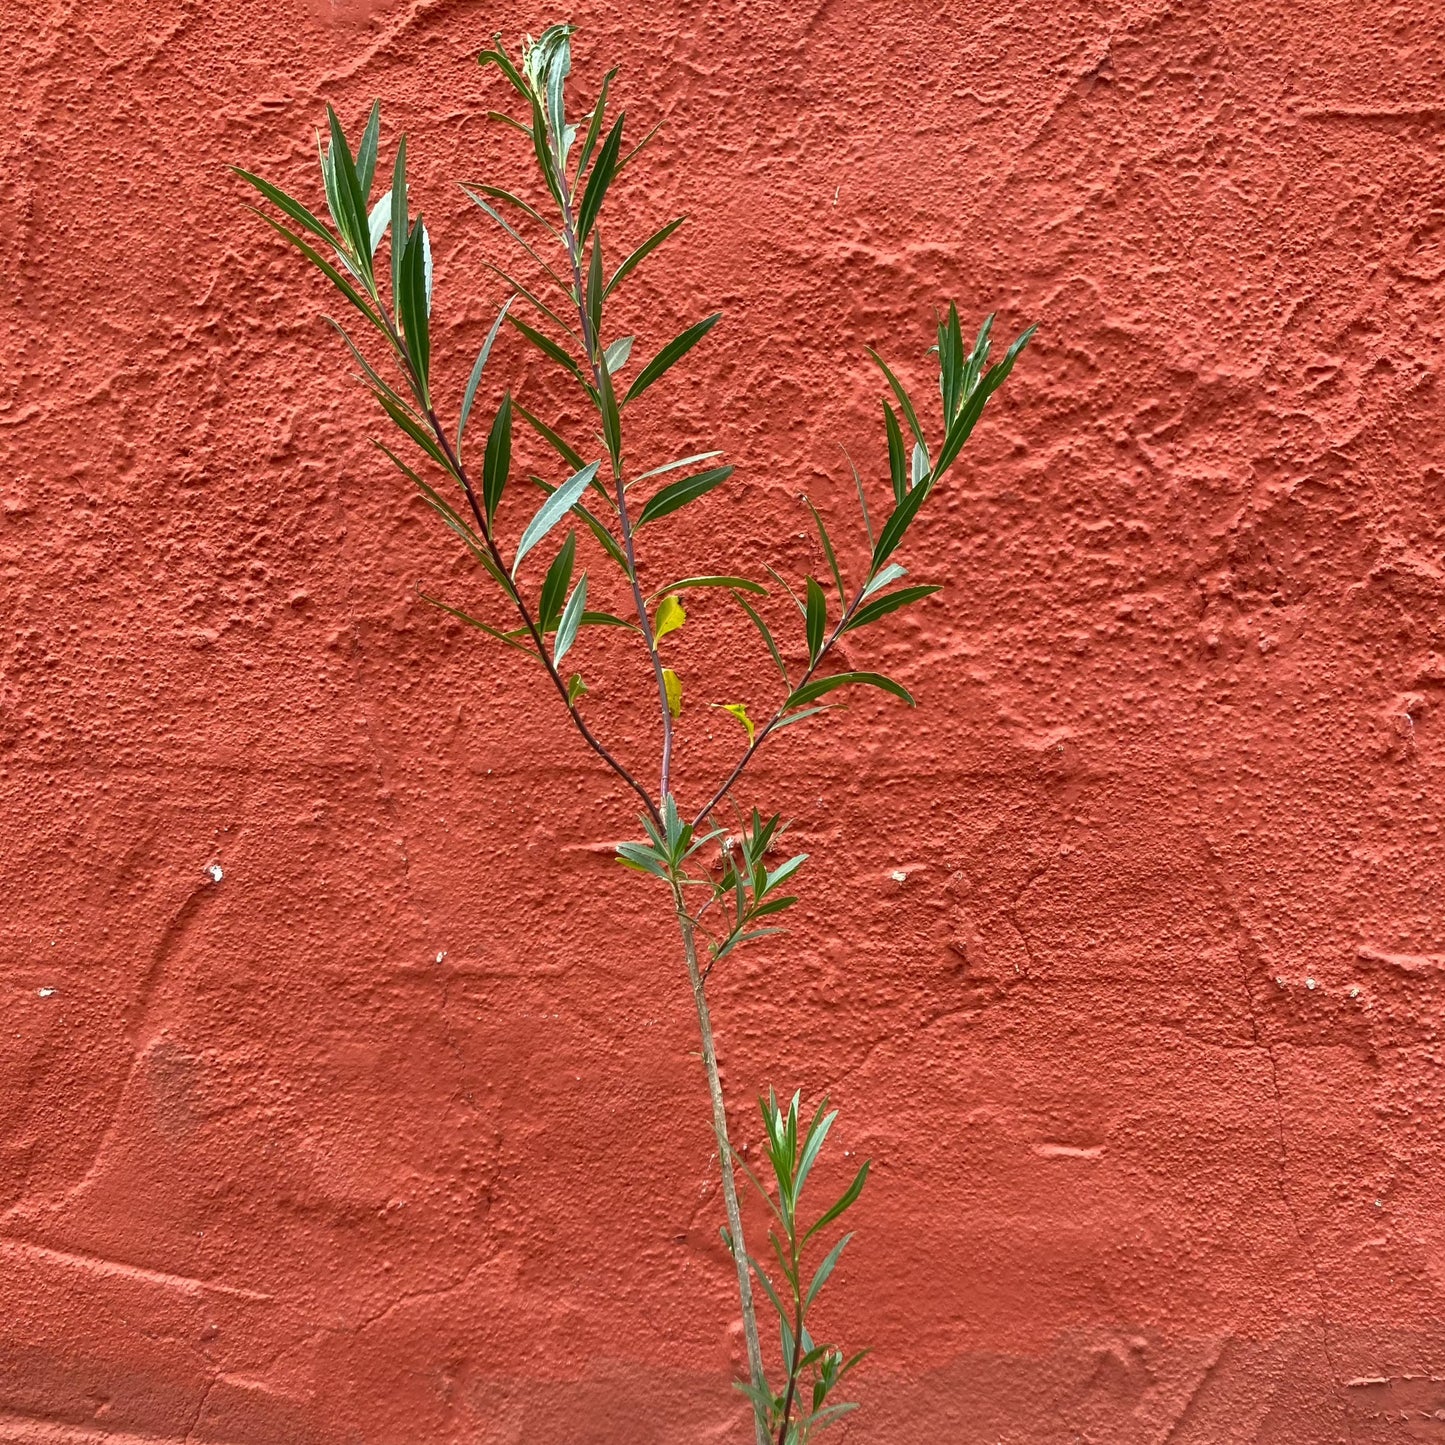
379, 220
902, 396
828, 551
673, 466
291, 207
611, 420
641, 254
810, 691
400, 222
555, 585
670, 617
594, 127
849, 1195
565, 450
898, 524
891, 573
889, 602
672, 685
480, 626
571, 620
897, 457
366, 151
973, 367
766, 635
599, 180
617, 354
670, 354
741, 584
920, 464
680, 493
950, 364
548, 347
412, 305
553, 510
824, 1270
817, 619
475, 379
324, 266
498, 461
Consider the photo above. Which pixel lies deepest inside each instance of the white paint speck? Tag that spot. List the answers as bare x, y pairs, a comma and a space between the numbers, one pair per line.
898, 876
441, 955
1354, 993
215, 871
1310, 983
45, 992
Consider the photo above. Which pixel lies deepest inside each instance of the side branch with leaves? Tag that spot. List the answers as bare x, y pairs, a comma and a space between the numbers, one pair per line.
721, 889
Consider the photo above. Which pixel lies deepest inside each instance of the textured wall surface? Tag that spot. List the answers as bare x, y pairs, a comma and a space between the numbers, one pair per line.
1124, 955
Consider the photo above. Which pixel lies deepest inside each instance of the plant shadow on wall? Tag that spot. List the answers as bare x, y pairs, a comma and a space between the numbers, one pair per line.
717, 881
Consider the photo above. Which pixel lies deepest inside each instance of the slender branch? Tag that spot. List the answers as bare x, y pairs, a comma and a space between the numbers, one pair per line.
777, 717
797, 1348
454, 463
725, 1160
595, 361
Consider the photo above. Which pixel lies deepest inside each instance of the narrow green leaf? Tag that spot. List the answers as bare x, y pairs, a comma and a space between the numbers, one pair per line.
761, 1276
670, 354
352, 220
766, 635
480, 626
902, 396
413, 307
897, 458
973, 367
795, 717
400, 222
950, 364
599, 180
594, 127
407, 422
636, 150
548, 347
680, 493
821, 685
292, 208
817, 618
531, 298
617, 354
673, 466
516, 235
555, 585
575, 688
373, 379
366, 151
641, 254
969, 413
503, 62
498, 463
569, 454
898, 524
829, 1414
824, 1270
496, 193
449, 516
475, 379
552, 511
891, 573
611, 420
594, 290
849, 1196
325, 267
828, 552
741, 584
571, 621
920, 465
635, 855
889, 602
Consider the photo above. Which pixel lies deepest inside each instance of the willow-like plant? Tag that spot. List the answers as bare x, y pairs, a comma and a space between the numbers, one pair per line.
717, 882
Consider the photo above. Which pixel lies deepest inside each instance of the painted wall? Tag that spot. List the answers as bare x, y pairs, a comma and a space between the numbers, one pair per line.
1124, 956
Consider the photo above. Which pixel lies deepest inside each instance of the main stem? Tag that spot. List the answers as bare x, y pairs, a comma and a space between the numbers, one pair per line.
725, 1161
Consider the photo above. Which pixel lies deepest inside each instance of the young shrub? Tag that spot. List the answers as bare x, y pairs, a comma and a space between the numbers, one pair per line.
718, 887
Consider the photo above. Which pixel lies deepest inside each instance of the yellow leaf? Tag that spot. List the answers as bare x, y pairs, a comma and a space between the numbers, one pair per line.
670, 616
673, 683
741, 714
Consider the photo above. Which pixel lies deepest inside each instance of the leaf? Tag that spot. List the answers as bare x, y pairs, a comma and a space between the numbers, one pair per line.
969, 413
368, 371
824, 1270
553, 510
765, 635
891, 573
352, 220
817, 619
496, 216
571, 621
325, 267
617, 354
379, 220
768, 1289
480, 626
555, 585
594, 290
862, 499
741, 584
679, 494
950, 364
792, 718
412, 304
611, 420
474, 381
400, 225
638, 147
828, 551
498, 461
292, 208
902, 396
426, 264
890, 602
498, 194
673, 466
535, 302
635, 855
831, 1413
740, 712
575, 688
670, 354
821, 685
641, 254
802, 611
366, 151
849, 1195
771, 880
568, 453
548, 347
594, 128
897, 459
670, 617
920, 464
599, 180
898, 524
672, 685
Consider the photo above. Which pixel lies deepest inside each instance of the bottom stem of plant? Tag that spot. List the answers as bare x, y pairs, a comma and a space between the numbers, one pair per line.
725, 1160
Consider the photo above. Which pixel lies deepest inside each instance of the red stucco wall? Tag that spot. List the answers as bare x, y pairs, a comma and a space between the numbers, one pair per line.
395, 1134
